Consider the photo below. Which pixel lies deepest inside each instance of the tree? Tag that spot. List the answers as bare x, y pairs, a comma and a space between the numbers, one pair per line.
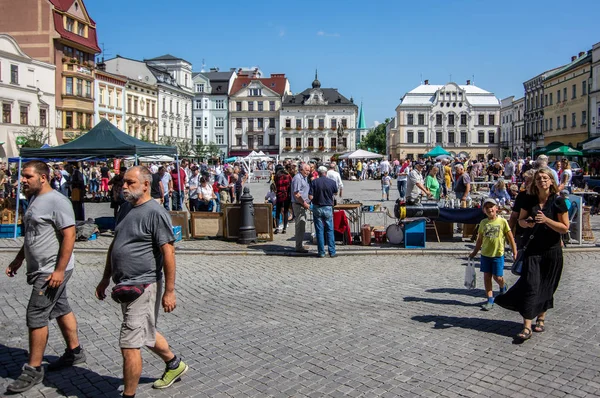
213, 150
168, 140
33, 137
375, 141
184, 147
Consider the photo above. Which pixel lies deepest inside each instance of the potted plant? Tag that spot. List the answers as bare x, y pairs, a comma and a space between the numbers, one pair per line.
73, 60
287, 148
322, 149
310, 147
321, 128
298, 148
298, 128
65, 59
288, 128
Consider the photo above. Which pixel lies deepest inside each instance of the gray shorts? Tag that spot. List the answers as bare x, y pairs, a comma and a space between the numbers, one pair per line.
139, 318
46, 303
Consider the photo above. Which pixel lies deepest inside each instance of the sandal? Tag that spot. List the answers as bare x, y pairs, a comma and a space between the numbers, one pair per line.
524, 335
539, 326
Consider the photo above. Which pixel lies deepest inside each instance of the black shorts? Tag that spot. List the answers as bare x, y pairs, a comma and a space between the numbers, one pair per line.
46, 303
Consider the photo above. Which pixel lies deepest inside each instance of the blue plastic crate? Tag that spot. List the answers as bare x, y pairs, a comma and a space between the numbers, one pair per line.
414, 234
8, 230
177, 233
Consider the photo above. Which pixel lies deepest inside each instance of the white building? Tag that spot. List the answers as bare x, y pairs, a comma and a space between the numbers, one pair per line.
594, 93
317, 123
142, 110
254, 105
516, 141
211, 107
110, 98
506, 120
464, 119
27, 95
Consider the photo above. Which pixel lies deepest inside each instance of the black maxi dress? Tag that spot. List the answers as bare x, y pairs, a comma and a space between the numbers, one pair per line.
542, 266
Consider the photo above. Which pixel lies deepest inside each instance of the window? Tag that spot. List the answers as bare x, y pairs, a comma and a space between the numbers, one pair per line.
206, 122
421, 137
271, 105
200, 88
311, 142
463, 120
220, 104
14, 74
43, 118
558, 122
260, 140
198, 104
288, 142
80, 29
583, 88
288, 123
176, 107
481, 137
573, 120
551, 99
251, 106
171, 108
238, 106
344, 123
272, 122
69, 85
255, 92
481, 120
583, 118
321, 123
438, 119
574, 93
219, 122
79, 86
492, 120
564, 121
491, 137
421, 118
198, 122
135, 105
321, 142
298, 123
333, 123
545, 99
564, 94
70, 24
551, 120
101, 96
438, 137
271, 139
451, 137
558, 96
23, 113
463, 137
333, 143
546, 125
238, 123
410, 137
410, 119
238, 140
250, 124
450, 120
298, 142
79, 120
260, 106
536, 101
220, 139
311, 124
5, 113
68, 119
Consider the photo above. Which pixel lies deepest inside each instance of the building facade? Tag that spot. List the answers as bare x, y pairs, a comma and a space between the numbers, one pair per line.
142, 110
254, 105
62, 33
317, 123
595, 92
110, 98
566, 111
27, 98
517, 143
211, 107
464, 119
506, 119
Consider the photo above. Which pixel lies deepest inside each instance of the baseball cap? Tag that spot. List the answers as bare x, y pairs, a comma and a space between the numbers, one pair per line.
322, 169
490, 201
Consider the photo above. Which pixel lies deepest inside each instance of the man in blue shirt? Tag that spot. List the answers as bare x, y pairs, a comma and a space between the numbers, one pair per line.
321, 193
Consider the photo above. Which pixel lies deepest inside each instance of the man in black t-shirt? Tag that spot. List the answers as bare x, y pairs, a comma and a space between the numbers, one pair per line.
321, 193
156, 188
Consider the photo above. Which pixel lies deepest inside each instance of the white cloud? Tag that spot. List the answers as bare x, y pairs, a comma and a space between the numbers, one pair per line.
376, 123
325, 34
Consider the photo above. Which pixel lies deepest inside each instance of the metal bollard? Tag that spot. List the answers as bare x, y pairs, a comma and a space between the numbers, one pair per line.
247, 232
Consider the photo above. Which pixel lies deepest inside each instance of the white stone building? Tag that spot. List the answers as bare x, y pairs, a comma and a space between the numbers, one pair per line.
464, 119
516, 141
142, 110
506, 120
594, 93
27, 96
211, 107
317, 123
110, 98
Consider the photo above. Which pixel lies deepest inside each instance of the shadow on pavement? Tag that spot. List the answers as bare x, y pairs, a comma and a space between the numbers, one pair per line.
457, 291
440, 301
499, 327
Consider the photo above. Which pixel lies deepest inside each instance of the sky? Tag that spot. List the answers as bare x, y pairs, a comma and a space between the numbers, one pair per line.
373, 51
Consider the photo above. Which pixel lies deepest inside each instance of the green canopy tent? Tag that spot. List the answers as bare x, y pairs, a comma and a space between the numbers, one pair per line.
543, 150
564, 150
435, 152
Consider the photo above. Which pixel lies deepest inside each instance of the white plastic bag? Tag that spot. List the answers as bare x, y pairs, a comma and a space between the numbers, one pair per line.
470, 274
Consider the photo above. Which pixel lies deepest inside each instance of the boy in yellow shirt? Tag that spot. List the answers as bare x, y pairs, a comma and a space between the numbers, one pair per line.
493, 233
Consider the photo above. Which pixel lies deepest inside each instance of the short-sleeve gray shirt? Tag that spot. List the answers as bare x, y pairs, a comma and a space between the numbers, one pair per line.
300, 184
45, 218
140, 232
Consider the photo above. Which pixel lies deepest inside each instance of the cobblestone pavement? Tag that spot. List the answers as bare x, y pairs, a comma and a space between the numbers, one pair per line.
350, 326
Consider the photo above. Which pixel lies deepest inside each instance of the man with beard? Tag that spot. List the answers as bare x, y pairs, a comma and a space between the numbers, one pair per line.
141, 249
49, 225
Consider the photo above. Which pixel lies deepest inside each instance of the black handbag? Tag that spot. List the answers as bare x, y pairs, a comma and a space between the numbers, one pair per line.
124, 294
517, 267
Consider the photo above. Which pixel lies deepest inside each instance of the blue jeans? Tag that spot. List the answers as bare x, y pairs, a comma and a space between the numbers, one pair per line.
323, 217
402, 188
166, 202
176, 200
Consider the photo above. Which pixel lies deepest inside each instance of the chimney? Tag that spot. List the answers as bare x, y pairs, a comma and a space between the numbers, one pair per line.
468, 82
581, 54
427, 82
573, 58
101, 66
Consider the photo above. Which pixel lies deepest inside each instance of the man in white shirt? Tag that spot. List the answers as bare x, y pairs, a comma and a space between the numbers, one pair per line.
384, 167
332, 174
416, 185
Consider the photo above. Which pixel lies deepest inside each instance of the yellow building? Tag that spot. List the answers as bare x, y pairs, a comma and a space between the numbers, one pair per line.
566, 102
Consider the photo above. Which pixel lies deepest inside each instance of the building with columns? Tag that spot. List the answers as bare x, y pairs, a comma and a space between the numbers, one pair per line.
254, 104
27, 97
464, 119
110, 98
62, 33
317, 123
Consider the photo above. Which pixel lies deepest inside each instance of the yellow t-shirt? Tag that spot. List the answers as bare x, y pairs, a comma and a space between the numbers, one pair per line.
494, 232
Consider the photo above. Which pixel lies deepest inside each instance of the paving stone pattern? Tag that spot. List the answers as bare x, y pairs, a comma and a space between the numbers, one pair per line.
257, 326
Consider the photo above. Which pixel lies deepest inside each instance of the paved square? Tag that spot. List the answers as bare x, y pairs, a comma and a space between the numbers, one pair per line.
356, 325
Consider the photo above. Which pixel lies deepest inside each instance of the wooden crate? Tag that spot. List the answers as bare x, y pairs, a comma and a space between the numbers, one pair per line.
468, 230
206, 224
181, 218
445, 231
263, 220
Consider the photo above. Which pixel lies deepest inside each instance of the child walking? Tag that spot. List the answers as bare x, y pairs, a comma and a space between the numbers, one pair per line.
493, 233
386, 182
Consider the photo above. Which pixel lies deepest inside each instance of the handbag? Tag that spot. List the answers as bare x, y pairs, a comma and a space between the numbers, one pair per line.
517, 266
470, 274
127, 293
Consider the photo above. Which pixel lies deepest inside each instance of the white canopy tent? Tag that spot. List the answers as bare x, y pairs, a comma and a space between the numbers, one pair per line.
152, 159
593, 144
361, 154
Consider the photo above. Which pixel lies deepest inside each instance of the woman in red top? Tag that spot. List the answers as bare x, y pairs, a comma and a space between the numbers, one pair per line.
283, 183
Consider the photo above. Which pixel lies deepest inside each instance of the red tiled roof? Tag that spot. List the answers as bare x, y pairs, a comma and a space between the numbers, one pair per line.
276, 82
64, 5
91, 41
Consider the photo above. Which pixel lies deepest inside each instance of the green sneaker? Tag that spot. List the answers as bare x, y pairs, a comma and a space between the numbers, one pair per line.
487, 306
170, 376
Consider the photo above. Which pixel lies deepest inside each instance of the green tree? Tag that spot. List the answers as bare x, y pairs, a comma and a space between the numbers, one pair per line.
184, 147
168, 141
34, 136
213, 150
375, 140
200, 149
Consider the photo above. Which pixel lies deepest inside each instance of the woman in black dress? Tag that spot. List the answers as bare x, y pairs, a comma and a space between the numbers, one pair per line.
533, 294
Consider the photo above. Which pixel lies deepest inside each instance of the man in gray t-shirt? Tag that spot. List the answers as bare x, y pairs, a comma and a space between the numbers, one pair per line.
49, 226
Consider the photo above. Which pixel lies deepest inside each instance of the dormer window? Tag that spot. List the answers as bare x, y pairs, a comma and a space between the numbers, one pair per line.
255, 92
70, 25
80, 29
